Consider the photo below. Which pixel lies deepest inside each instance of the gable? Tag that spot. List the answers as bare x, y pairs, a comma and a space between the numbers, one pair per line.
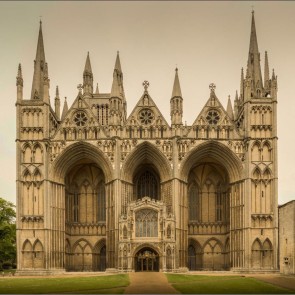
80, 117
146, 113
213, 115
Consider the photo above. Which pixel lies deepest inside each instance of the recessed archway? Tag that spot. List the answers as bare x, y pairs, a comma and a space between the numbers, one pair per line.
146, 259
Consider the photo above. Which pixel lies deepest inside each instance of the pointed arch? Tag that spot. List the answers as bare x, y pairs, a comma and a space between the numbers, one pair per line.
38, 153
195, 255
27, 175
256, 255
256, 151
99, 255
266, 151
37, 175
38, 246
267, 245
27, 246
214, 151
256, 173
267, 173
27, 153
149, 154
78, 152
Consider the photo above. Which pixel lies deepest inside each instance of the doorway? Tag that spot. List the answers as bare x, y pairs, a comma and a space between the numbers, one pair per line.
147, 259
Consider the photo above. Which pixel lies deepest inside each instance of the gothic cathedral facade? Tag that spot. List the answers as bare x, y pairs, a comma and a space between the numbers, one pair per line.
98, 190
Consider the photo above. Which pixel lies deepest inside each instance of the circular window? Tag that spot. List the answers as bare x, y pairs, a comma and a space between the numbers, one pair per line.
146, 116
212, 117
80, 119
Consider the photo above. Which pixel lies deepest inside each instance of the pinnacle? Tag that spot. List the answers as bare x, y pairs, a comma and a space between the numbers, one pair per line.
229, 108
118, 63
65, 109
176, 86
87, 64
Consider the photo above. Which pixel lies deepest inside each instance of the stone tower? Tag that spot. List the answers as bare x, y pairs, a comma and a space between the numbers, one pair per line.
98, 190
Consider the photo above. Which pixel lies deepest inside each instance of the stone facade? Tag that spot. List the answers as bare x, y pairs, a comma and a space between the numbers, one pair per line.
287, 237
99, 190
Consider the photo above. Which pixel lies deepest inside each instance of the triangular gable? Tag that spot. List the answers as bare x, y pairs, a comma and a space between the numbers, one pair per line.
146, 113
213, 114
79, 104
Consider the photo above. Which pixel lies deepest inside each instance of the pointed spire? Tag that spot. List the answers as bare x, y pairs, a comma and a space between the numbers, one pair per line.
115, 92
19, 77
229, 108
19, 83
253, 67
118, 63
87, 64
38, 78
176, 86
87, 77
57, 103
97, 90
266, 71
242, 84
65, 109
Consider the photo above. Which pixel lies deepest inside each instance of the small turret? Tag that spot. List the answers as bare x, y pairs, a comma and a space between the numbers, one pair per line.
88, 77
176, 101
19, 83
57, 103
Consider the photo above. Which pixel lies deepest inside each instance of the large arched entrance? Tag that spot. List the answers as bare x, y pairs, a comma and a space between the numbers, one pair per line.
146, 259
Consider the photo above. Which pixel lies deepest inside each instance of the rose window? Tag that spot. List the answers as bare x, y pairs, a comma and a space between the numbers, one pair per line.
80, 119
212, 117
146, 116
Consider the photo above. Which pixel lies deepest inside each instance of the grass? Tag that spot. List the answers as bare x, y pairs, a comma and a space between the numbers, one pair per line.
202, 284
110, 284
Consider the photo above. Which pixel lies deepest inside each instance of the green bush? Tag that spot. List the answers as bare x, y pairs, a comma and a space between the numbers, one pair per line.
7, 265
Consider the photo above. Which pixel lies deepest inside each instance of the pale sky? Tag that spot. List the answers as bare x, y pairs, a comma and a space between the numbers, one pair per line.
208, 41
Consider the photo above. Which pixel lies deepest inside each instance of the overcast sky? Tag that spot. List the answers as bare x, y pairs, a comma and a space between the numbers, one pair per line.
208, 41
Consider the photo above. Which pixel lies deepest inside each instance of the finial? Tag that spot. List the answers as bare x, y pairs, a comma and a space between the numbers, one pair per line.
80, 87
145, 84
176, 69
117, 51
57, 91
212, 87
40, 20
252, 6
65, 98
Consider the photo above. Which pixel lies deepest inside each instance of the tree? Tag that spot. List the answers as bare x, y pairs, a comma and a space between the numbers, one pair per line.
7, 233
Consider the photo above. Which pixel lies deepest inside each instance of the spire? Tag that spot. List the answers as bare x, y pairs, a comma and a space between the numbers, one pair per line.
65, 109
87, 77
87, 64
229, 109
115, 92
97, 90
242, 84
19, 77
19, 83
266, 71
176, 87
253, 67
57, 103
38, 78
118, 63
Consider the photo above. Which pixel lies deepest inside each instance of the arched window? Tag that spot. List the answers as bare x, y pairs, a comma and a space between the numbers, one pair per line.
147, 185
193, 203
146, 221
101, 203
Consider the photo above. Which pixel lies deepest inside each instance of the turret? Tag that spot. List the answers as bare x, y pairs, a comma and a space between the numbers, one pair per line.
57, 103
88, 78
40, 68
19, 83
176, 102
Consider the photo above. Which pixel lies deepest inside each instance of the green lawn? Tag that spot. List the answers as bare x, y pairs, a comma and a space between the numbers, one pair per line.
111, 284
202, 284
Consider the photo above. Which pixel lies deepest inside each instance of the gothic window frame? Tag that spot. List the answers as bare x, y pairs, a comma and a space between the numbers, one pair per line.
194, 202
80, 119
145, 189
146, 116
213, 117
146, 223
